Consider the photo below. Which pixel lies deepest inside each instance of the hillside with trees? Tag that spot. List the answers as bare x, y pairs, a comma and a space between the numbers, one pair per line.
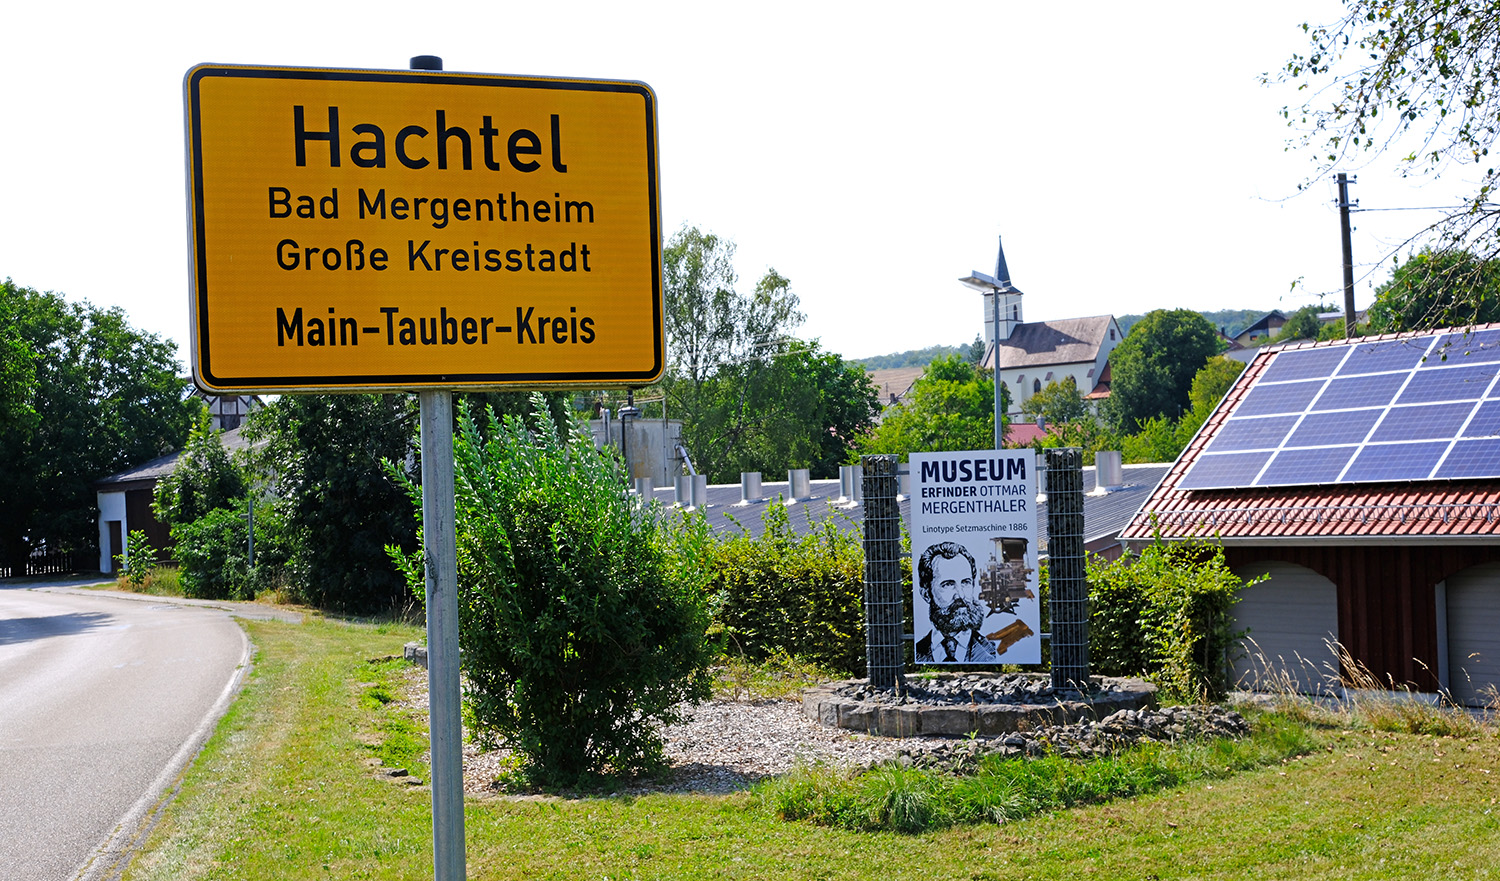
923, 357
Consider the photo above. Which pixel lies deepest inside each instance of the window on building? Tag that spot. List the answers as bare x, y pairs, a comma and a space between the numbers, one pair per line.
1036, 386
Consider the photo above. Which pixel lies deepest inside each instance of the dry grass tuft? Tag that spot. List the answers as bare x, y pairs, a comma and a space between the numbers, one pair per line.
1346, 693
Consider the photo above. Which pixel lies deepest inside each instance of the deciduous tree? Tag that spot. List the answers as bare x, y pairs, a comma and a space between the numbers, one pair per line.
951, 407
1057, 402
800, 409
711, 325
1212, 382
17, 370
96, 396
1153, 367
1437, 289
1414, 79
204, 478
324, 457
1302, 324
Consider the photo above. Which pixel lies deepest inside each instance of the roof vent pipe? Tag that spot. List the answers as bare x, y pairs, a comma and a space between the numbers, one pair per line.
851, 480
750, 488
1109, 471
800, 485
700, 490
643, 487
683, 490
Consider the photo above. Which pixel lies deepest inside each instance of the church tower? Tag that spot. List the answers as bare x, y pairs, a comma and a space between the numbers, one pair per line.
999, 294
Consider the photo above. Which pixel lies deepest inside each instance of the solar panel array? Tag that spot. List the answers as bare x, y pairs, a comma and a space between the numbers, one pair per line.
1422, 408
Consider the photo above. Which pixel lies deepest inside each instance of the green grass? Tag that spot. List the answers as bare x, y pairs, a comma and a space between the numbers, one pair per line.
161, 581
780, 677
401, 737
287, 789
908, 800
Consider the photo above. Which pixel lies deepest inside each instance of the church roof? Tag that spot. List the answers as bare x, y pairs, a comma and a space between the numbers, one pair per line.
1060, 341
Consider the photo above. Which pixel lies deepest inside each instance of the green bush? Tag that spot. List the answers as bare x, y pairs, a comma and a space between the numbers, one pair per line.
323, 457
583, 616
1165, 614
138, 560
212, 553
798, 595
1117, 603
204, 478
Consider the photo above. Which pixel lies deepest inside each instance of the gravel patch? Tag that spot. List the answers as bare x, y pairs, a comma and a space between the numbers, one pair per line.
722, 746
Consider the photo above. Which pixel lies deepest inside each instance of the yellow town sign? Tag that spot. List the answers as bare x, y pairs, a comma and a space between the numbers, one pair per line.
378, 230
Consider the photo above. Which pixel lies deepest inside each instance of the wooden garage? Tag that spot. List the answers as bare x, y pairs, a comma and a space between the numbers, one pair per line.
1471, 602
1368, 470
1291, 618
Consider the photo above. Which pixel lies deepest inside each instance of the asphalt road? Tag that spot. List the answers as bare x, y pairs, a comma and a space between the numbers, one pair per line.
103, 701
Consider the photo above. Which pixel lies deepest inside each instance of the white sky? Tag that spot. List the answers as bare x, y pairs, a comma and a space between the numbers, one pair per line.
869, 152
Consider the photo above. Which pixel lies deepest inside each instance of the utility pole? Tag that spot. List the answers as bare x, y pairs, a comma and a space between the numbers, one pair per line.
1344, 206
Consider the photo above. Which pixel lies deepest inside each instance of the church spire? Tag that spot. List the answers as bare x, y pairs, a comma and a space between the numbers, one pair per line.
1002, 272
999, 294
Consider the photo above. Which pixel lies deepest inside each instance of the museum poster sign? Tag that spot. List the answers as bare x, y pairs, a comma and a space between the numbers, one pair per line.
974, 557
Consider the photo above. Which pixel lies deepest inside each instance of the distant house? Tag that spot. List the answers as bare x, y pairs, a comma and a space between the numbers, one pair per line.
1262, 329
894, 383
1039, 353
227, 412
125, 503
1363, 477
1032, 355
1022, 434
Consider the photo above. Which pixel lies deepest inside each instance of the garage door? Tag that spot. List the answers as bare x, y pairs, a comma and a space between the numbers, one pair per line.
1474, 634
1290, 616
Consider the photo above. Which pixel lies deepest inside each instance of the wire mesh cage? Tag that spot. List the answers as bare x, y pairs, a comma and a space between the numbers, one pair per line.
883, 582
1065, 567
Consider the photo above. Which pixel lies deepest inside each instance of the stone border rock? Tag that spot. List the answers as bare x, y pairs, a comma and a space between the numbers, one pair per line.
1084, 740
894, 716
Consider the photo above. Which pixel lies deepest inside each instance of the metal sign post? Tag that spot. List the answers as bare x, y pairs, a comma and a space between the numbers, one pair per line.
440, 558
440, 551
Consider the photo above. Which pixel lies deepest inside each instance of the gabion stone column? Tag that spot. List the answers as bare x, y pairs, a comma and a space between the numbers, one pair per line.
1065, 569
883, 582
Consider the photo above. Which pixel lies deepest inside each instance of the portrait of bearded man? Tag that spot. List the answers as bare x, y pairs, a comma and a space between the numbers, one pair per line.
948, 580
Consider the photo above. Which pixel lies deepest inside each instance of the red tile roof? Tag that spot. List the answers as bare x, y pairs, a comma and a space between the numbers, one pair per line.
1023, 433
1451, 510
